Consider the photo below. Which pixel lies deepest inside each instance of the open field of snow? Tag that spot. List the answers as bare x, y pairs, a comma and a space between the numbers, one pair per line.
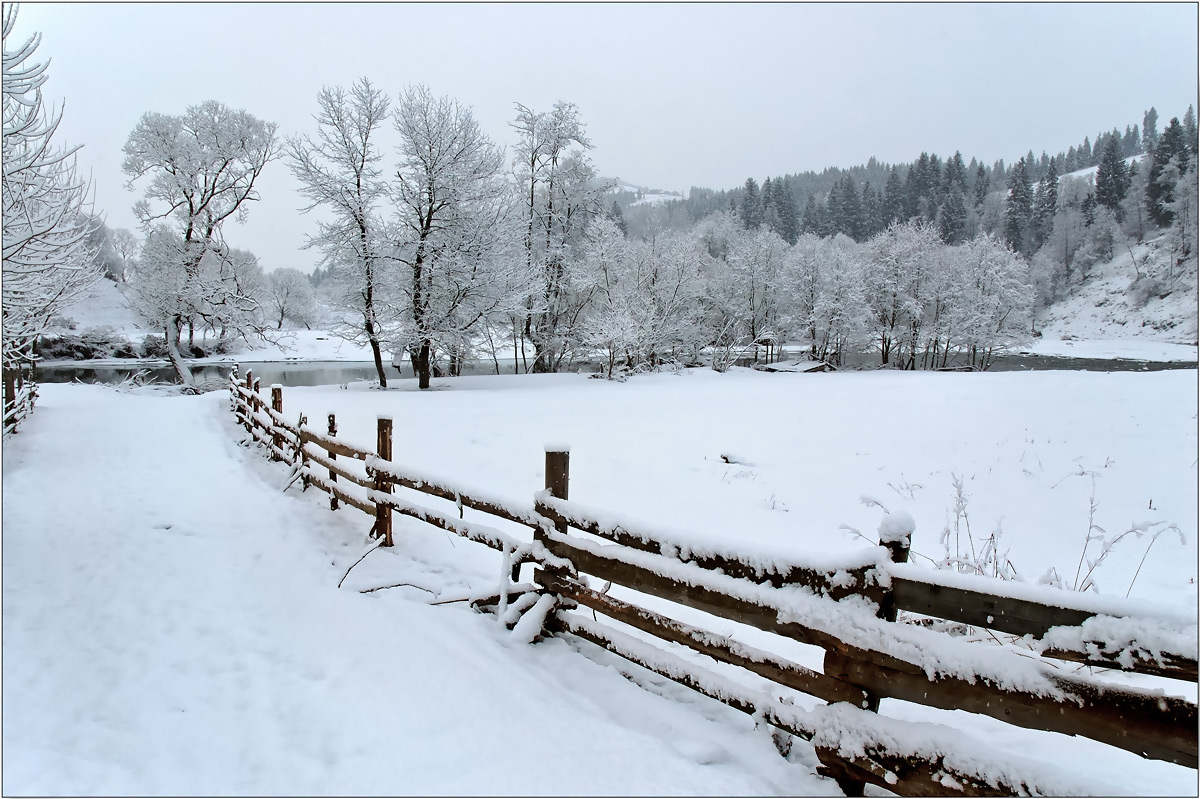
178, 630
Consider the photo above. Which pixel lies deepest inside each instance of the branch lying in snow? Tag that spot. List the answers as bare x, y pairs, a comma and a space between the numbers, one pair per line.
399, 585
372, 548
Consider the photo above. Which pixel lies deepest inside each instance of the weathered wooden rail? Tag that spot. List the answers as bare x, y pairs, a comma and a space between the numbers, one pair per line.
20, 394
868, 656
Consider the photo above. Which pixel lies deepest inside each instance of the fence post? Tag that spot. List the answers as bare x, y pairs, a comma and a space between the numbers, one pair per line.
383, 448
558, 480
303, 420
10, 392
895, 535
333, 500
277, 406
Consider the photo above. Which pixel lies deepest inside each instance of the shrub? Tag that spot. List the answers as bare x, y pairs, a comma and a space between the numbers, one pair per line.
154, 346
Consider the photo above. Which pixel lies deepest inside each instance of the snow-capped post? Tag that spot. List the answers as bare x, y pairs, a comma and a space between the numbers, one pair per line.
558, 478
383, 448
277, 406
895, 534
333, 502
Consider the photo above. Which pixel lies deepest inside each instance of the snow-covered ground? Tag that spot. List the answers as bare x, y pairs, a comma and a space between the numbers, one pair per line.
178, 630
1102, 319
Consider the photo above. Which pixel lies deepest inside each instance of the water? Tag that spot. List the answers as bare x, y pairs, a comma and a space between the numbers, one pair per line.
327, 373
286, 373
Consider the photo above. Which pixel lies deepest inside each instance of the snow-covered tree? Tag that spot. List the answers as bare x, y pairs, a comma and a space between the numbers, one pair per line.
822, 296
646, 298
560, 193
48, 260
126, 245
454, 217
202, 168
290, 296
222, 295
995, 300
897, 265
339, 173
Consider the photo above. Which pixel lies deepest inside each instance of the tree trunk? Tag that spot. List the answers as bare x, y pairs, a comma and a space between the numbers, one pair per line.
421, 365
172, 336
378, 361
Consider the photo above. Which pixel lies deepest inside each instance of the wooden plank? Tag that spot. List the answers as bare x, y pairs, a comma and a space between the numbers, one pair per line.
336, 447
338, 470
706, 643
920, 778
456, 496
1174, 667
456, 526
1161, 728
1021, 617
821, 582
329, 488
1155, 727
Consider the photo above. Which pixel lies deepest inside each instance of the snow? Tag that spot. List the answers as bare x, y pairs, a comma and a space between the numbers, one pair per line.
104, 306
157, 644
1100, 319
176, 626
896, 527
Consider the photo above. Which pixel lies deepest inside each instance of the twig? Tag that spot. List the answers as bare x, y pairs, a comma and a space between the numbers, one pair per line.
374, 546
452, 601
400, 585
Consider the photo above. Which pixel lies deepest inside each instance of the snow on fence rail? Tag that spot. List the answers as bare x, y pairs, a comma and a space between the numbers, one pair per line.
847, 607
19, 396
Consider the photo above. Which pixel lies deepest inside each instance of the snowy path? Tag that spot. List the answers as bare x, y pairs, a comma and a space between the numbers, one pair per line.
172, 626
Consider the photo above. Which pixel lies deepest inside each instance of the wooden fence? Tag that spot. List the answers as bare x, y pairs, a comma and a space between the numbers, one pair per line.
20, 394
868, 655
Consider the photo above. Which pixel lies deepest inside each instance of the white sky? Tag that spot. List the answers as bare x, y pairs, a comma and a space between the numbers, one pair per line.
674, 95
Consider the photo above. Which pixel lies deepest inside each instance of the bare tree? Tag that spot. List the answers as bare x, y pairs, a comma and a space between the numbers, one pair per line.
560, 192
453, 211
202, 169
339, 172
289, 295
48, 258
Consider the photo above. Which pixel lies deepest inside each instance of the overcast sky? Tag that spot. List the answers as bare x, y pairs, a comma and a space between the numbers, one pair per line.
674, 95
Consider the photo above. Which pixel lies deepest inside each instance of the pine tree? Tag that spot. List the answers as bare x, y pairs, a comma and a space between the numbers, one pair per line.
1085, 154
982, 185
849, 212
1018, 207
751, 209
785, 207
618, 218
893, 199
1045, 205
953, 217
954, 176
872, 209
1149, 130
1071, 162
1170, 160
1112, 178
1189, 129
809, 223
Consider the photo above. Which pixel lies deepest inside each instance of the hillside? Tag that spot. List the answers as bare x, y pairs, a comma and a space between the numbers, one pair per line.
1114, 313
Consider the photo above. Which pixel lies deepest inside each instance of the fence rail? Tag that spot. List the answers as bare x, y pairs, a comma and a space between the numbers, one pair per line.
20, 394
868, 655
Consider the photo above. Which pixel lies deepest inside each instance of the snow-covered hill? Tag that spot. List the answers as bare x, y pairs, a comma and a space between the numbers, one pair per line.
645, 195
104, 305
1110, 313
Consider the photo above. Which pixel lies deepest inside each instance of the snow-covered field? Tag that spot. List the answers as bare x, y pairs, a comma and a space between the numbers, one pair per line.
172, 622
